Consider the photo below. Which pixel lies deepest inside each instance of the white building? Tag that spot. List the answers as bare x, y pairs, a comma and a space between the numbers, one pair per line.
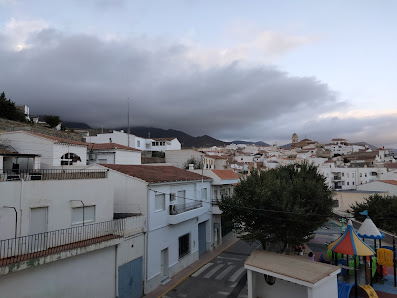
58, 237
275, 275
180, 158
112, 153
130, 140
223, 183
54, 151
387, 186
178, 207
349, 177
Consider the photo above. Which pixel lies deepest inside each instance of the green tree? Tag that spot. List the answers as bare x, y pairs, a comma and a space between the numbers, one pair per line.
52, 120
283, 206
9, 111
381, 209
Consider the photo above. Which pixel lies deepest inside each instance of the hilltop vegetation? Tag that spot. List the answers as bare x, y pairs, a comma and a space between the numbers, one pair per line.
9, 111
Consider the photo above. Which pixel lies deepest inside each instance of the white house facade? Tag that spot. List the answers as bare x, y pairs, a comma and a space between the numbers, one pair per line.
178, 208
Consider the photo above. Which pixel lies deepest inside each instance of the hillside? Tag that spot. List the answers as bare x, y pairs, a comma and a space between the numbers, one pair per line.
186, 140
260, 143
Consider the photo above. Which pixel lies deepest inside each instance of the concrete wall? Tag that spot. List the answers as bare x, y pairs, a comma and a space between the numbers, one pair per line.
56, 196
130, 194
327, 289
177, 158
26, 143
281, 288
124, 157
86, 275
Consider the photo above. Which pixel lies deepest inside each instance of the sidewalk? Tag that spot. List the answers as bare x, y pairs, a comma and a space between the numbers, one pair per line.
189, 270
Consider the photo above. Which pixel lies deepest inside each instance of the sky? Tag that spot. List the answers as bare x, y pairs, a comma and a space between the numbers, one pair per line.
234, 70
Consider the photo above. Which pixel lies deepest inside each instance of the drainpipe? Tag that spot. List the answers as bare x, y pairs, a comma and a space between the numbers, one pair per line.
20, 207
116, 273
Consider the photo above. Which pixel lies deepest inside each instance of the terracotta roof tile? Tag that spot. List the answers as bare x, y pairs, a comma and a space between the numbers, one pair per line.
156, 174
391, 165
394, 182
225, 174
110, 146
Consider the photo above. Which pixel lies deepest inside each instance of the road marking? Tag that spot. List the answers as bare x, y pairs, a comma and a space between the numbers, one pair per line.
226, 271
223, 293
233, 285
202, 269
236, 274
209, 274
235, 259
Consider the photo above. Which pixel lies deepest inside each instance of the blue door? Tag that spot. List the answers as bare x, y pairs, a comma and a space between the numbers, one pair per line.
202, 238
130, 279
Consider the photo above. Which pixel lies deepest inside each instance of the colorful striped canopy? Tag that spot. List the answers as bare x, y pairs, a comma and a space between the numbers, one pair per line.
350, 244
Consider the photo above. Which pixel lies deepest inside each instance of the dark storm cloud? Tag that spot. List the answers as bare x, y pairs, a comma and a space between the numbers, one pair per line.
83, 78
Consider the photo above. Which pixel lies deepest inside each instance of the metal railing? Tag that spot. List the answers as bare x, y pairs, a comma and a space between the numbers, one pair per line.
43, 244
177, 209
51, 174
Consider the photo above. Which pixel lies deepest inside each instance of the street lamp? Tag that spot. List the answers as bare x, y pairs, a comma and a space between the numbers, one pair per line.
16, 218
83, 207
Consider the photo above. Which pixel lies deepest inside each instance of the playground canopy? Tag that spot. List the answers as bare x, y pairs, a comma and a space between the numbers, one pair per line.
350, 244
369, 230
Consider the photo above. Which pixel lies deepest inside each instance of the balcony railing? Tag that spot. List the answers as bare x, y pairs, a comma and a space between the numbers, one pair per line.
38, 245
51, 174
178, 209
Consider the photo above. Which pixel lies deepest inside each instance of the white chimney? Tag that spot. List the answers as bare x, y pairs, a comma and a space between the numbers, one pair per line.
191, 166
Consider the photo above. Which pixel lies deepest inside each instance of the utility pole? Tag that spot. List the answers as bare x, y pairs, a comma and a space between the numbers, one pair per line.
128, 129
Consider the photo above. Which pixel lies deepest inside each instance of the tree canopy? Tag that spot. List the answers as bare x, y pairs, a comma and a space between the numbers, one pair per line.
9, 111
280, 206
52, 120
381, 209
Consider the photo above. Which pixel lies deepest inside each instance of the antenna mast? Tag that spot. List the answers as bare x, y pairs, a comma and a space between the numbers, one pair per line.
128, 129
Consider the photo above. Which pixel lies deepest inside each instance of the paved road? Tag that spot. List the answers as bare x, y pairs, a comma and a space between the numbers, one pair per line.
224, 276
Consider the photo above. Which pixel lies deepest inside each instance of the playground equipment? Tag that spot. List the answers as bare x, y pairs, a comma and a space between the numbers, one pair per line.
350, 244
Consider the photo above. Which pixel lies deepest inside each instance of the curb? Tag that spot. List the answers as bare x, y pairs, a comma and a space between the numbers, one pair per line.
194, 270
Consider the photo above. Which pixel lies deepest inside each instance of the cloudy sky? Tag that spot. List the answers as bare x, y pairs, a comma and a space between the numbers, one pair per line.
252, 70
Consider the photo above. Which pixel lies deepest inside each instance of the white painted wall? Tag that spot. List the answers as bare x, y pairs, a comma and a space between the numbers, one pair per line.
56, 195
177, 158
125, 157
51, 153
87, 275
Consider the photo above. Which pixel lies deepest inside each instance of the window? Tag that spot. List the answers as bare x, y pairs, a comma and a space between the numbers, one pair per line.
153, 143
138, 143
361, 174
347, 183
184, 245
347, 175
365, 174
343, 174
159, 203
88, 212
204, 194
353, 182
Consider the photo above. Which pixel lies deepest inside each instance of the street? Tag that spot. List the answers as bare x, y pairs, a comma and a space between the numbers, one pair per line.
224, 276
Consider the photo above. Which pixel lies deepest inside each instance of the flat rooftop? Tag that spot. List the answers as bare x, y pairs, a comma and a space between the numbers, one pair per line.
296, 269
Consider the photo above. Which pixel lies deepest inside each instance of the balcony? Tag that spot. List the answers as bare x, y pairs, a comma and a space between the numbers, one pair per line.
21, 249
50, 174
183, 212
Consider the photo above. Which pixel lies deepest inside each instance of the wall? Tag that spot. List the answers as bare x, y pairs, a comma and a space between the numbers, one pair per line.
281, 288
56, 195
60, 149
327, 289
177, 158
130, 194
124, 157
26, 143
87, 275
